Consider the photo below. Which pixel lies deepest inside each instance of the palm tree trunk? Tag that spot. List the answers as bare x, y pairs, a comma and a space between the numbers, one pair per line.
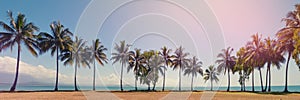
211, 82
179, 79
267, 76
56, 79
136, 82
121, 83
148, 87
192, 82
261, 81
269, 90
75, 79
94, 75
286, 73
228, 79
13, 87
153, 88
164, 79
253, 79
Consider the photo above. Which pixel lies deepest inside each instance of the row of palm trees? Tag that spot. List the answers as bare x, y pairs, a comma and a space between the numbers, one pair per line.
268, 52
59, 41
147, 65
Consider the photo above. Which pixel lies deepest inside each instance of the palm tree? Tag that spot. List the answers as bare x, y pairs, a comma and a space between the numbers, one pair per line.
99, 55
58, 40
273, 56
78, 54
165, 53
194, 68
180, 61
255, 56
136, 61
147, 55
285, 37
121, 56
212, 75
156, 67
226, 62
242, 66
19, 31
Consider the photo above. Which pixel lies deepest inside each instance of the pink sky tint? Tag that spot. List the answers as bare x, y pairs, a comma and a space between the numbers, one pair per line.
242, 18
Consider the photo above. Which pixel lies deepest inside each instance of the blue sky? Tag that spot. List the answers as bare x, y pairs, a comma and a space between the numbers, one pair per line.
165, 24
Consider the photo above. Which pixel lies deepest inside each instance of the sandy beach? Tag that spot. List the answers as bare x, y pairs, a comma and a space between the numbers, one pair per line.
146, 95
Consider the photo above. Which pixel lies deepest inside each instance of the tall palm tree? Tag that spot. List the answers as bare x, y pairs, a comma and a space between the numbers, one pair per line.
147, 55
121, 55
212, 75
194, 68
180, 61
255, 51
273, 56
136, 62
156, 67
242, 66
285, 37
78, 54
165, 53
97, 55
19, 31
226, 62
58, 40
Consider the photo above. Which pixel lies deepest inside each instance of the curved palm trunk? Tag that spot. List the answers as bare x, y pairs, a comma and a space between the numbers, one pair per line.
13, 87
253, 79
192, 82
75, 79
94, 80
261, 81
267, 76
57, 66
228, 79
121, 83
153, 88
286, 73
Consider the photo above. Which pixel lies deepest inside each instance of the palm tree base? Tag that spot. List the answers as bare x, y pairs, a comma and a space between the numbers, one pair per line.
12, 89
286, 91
56, 89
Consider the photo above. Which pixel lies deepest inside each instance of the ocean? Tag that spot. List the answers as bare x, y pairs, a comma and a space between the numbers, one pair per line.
117, 88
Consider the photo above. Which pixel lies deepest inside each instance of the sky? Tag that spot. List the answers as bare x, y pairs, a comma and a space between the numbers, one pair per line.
203, 28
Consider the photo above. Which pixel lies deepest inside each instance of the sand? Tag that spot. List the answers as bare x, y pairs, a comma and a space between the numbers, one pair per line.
69, 95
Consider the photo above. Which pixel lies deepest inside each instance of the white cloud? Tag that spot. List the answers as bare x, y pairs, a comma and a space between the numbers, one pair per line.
35, 73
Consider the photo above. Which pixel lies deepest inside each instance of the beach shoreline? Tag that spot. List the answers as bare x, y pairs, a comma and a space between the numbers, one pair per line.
150, 95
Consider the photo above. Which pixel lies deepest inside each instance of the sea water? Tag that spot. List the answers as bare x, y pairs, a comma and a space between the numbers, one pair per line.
128, 88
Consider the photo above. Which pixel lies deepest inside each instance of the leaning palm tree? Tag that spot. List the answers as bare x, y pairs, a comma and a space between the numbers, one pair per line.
226, 62
156, 67
180, 61
165, 53
97, 50
285, 37
121, 56
77, 54
194, 68
58, 40
136, 62
255, 56
273, 56
19, 31
212, 75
